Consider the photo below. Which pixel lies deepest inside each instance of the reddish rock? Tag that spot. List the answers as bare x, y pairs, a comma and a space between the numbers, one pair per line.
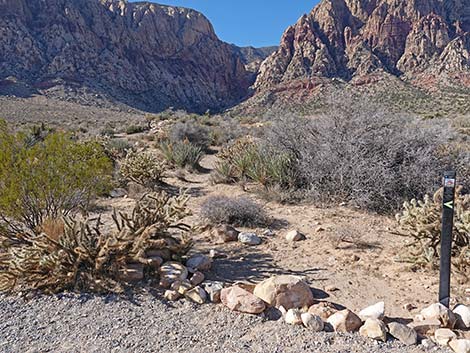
239, 299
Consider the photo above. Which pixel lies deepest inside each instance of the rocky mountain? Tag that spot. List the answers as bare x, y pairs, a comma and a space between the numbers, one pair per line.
418, 41
144, 55
253, 57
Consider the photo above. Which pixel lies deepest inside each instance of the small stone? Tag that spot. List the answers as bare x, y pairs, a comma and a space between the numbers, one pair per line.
313, 322
345, 321
444, 335
249, 238
375, 329
171, 295
268, 233
293, 317
295, 235
199, 262
239, 299
197, 295
214, 254
173, 271
118, 193
428, 344
425, 327
355, 258
197, 278
409, 307
460, 346
463, 316
227, 233
376, 311
441, 313
324, 310
181, 286
319, 229
403, 333
213, 289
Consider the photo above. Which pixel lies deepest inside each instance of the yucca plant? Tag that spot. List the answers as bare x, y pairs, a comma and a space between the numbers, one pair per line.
182, 154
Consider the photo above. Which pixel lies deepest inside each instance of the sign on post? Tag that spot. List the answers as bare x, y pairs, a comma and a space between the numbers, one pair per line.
446, 237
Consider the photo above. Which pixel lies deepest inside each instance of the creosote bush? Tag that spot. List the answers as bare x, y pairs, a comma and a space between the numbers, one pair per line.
237, 211
192, 132
143, 168
360, 154
420, 221
80, 256
54, 177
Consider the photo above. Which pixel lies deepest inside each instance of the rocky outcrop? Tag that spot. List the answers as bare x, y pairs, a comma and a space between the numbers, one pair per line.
142, 54
350, 38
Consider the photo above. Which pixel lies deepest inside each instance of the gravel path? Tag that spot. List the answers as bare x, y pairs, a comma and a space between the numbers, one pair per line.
144, 323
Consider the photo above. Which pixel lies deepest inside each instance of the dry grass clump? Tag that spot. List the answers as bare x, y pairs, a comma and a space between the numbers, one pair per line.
69, 254
421, 222
143, 167
237, 211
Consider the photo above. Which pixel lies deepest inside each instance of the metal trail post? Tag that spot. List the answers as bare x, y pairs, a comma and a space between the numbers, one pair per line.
446, 237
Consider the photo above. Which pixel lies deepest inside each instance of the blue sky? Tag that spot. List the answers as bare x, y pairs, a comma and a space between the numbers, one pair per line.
249, 22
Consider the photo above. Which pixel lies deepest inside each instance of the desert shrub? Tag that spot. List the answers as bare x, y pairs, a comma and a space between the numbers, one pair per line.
143, 168
421, 222
357, 153
192, 132
135, 129
108, 131
237, 211
81, 256
52, 178
116, 148
37, 133
250, 160
182, 154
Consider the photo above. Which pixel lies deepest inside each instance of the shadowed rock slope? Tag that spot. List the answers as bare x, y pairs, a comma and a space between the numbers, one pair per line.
144, 55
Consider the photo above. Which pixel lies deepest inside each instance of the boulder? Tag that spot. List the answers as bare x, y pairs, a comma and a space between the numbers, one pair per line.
294, 235
293, 317
239, 299
288, 291
312, 322
213, 289
181, 286
199, 262
345, 321
444, 335
323, 309
463, 316
375, 329
439, 312
376, 311
227, 233
460, 346
403, 333
197, 295
172, 271
249, 238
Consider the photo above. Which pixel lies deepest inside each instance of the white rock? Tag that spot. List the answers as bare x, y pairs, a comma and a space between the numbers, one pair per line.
294, 235
376, 311
403, 333
313, 322
375, 329
443, 336
463, 315
199, 262
427, 343
460, 346
197, 295
172, 271
249, 238
441, 313
293, 317
213, 288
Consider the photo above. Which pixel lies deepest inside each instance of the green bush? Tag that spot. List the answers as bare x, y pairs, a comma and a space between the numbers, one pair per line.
49, 179
182, 154
135, 129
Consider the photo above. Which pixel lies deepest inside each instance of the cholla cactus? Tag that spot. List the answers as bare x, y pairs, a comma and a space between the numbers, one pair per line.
421, 221
84, 257
143, 168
